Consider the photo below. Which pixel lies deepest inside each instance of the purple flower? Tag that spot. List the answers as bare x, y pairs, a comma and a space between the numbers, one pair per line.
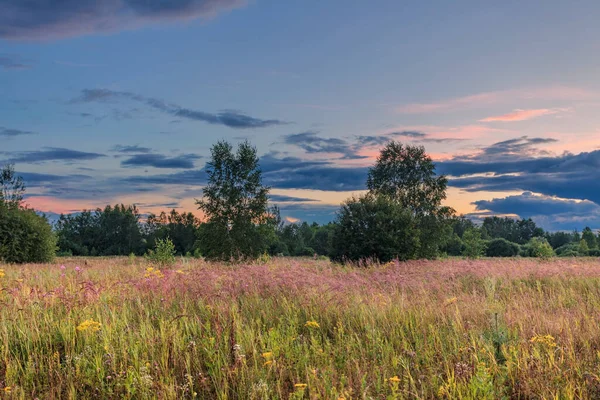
77, 269
62, 267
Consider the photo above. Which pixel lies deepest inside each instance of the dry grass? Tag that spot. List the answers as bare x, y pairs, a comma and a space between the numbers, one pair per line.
290, 328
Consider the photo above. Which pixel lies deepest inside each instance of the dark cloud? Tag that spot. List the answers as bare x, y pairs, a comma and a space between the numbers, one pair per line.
8, 132
51, 154
408, 134
229, 118
44, 19
130, 149
573, 176
551, 213
11, 62
311, 143
184, 161
279, 198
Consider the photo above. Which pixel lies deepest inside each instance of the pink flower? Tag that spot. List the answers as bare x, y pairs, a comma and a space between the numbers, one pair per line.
62, 267
77, 269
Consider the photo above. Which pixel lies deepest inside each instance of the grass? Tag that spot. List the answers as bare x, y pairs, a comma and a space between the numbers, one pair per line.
301, 329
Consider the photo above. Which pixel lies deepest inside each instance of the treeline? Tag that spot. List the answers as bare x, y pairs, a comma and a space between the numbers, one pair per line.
401, 216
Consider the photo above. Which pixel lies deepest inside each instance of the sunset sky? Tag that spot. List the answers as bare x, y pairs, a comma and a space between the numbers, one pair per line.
121, 100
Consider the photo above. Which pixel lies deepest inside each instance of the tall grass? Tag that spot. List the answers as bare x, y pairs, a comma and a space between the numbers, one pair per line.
485, 329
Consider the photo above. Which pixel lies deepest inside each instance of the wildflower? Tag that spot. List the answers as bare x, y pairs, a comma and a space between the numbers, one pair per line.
89, 325
312, 324
151, 272
394, 379
268, 363
449, 301
2, 273
300, 386
7, 389
268, 355
547, 340
78, 269
179, 271
62, 267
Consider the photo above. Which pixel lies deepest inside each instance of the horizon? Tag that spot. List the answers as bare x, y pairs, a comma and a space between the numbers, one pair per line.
120, 103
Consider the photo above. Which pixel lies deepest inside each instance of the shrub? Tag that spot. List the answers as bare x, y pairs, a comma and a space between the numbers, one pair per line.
568, 250
501, 248
455, 246
540, 248
374, 227
474, 245
163, 254
25, 237
594, 253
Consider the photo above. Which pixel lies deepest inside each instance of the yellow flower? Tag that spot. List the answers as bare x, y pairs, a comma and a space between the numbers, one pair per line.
151, 272
7, 389
300, 385
89, 325
312, 324
449, 301
268, 355
394, 379
179, 271
2, 273
547, 340
267, 363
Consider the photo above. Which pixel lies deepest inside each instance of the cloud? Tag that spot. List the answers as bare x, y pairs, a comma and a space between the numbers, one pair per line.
552, 213
279, 198
408, 134
8, 132
320, 213
522, 147
229, 118
185, 161
311, 143
130, 149
51, 154
11, 62
498, 97
50, 19
523, 115
573, 176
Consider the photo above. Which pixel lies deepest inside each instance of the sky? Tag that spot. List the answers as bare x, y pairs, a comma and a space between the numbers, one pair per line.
119, 101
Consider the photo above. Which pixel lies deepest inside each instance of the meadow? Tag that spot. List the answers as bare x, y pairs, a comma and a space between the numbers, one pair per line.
289, 328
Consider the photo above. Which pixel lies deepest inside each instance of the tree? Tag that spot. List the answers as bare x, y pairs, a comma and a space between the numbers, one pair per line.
474, 245
501, 248
12, 187
235, 204
374, 227
407, 174
588, 235
540, 248
583, 248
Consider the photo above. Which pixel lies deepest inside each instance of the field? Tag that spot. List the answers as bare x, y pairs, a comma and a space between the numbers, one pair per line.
301, 329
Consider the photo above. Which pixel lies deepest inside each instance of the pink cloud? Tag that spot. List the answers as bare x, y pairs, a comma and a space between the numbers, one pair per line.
523, 115
498, 97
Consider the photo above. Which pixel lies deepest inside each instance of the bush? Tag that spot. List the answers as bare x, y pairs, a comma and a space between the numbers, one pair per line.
501, 248
568, 250
474, 245
163, 254
25, 237
540, 248
374, 227
594, 253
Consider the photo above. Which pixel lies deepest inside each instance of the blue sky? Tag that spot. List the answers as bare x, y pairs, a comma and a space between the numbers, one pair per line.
120, 101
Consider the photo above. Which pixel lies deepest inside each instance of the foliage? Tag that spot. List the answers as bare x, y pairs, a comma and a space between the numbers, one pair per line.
235, 204
25, 237
516, 231
474, 245
588, 235
374, 227
12, 187
407, 175
181, 229
540, 248
501, 248
583, 247
163, 254
109, 231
